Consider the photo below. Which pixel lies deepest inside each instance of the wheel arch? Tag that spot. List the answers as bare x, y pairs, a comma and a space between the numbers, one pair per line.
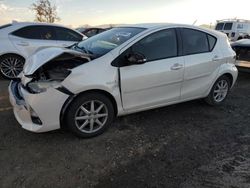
12, 53
230, 77
73, 97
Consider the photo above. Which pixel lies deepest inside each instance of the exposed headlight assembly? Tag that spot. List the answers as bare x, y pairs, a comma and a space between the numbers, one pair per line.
42, 86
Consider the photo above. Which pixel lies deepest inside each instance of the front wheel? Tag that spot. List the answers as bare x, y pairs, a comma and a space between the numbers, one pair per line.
219, 91
90, 115
11, 66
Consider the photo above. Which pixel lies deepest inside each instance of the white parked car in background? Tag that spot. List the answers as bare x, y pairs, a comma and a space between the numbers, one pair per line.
235, 29
121, 71
20, 40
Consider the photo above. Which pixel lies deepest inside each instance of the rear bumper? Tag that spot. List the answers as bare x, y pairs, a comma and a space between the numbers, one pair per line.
36, 112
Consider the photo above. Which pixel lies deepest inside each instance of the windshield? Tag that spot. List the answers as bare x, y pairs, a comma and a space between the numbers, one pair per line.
103, 43
219, 26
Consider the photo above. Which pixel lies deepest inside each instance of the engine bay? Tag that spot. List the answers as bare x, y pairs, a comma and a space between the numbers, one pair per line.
59, 68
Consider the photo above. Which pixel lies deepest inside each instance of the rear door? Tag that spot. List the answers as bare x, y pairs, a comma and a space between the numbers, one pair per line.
157, 81
202, 58
67, 37
28, 39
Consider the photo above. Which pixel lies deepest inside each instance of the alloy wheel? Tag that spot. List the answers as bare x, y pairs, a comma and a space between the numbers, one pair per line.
11, 67
91, 116
220, 91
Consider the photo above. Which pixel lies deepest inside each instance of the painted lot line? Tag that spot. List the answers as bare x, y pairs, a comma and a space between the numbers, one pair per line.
5, 109
3, 98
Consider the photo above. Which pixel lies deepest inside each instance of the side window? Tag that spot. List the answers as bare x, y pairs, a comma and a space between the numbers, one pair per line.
194, 42
101, 30
159, 45
36, 32
212, 41
65, 34
240, 26
91, 32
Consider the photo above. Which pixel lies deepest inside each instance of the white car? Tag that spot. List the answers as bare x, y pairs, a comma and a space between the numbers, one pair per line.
122, 71
235, 29
20, 40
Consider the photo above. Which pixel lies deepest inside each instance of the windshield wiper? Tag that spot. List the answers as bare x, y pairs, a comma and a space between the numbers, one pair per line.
82, 49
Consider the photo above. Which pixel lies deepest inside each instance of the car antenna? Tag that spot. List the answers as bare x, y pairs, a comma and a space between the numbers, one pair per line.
195, 22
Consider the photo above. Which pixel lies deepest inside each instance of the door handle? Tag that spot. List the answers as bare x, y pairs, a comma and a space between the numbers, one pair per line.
216, 58
22, 43
177, 66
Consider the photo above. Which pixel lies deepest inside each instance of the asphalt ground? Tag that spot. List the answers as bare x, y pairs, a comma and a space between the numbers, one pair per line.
187, 145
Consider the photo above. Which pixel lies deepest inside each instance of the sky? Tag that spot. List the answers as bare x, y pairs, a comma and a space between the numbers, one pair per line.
76, 13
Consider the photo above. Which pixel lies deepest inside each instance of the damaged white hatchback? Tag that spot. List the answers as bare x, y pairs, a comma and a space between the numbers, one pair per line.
121, 71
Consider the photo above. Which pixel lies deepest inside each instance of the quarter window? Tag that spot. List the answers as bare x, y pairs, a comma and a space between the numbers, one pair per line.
194, 42
212, 41
36, 32
159, 45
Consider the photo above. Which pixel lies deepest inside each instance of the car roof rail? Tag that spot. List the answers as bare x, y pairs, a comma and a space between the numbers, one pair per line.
233, 20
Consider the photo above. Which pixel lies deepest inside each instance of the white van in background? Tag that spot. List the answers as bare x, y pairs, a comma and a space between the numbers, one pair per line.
235, 29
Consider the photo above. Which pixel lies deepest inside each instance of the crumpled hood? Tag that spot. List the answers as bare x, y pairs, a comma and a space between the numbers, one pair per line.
44, 55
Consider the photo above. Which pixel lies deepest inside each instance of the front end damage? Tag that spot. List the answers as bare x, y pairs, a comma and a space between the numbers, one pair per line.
38, 96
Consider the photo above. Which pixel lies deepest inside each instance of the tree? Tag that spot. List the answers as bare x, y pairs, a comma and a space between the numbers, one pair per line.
45, 12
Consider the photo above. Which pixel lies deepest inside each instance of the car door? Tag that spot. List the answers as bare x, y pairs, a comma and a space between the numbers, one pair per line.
202, 58
28, 39
158, 80
67, 37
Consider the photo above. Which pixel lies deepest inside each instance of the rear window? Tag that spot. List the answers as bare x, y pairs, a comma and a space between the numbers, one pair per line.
219, 26
228, 26
5, 26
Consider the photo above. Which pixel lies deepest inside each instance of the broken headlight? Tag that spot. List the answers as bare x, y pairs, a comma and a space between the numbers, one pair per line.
42, 86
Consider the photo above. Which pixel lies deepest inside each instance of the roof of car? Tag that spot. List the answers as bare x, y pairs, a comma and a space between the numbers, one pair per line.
162, 25
34, 23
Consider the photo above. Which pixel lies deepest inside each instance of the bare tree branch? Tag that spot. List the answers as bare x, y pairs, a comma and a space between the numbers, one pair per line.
45, 12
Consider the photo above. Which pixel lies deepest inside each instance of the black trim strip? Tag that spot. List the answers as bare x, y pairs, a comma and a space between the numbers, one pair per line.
65, 91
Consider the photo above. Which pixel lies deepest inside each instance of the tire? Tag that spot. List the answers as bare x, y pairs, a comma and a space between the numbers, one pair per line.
219, 91
11, 66
89, 115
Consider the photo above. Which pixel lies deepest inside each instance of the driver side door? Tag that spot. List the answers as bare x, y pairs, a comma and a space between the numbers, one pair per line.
157, 81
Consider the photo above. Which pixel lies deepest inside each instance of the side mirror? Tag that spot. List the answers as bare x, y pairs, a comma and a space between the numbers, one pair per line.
136, 58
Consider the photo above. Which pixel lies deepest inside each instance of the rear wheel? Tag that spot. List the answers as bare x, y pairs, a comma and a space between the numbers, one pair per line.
11, 66
90, 115
219, 91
